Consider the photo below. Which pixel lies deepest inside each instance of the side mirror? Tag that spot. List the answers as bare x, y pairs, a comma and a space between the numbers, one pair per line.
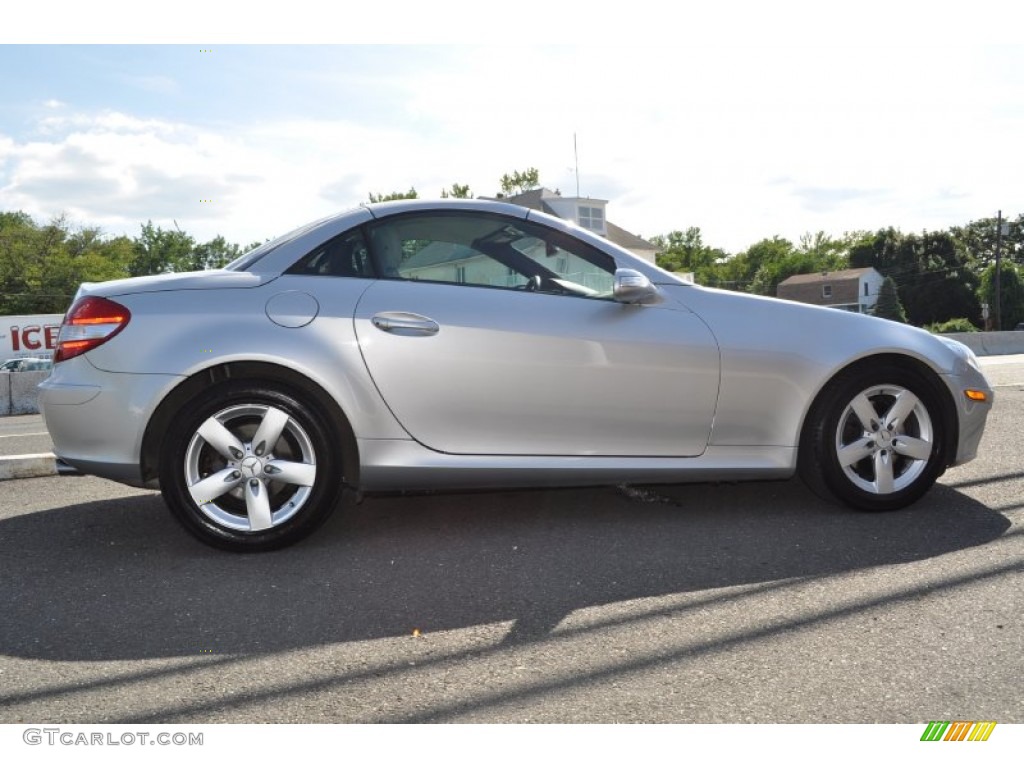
632, 287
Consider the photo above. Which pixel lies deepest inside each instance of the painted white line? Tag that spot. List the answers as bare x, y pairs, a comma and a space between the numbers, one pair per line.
25, 434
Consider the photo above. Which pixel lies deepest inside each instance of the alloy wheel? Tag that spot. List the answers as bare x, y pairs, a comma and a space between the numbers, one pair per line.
884, 439
250, 467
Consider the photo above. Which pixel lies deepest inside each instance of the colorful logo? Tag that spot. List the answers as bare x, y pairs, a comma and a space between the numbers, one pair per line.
958, 730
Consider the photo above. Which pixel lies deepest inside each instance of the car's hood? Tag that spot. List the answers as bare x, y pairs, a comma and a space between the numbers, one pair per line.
176, 281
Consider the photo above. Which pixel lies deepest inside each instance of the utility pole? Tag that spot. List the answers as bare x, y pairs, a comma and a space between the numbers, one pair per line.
576, 159
998, 319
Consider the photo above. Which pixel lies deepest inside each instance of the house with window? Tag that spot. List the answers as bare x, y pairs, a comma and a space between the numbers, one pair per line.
587, 212
854, 290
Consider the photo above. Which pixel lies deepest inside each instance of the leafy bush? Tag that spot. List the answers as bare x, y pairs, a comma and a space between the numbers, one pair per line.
953, 325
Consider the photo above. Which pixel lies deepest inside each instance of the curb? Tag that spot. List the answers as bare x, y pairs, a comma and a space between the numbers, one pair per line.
27, 465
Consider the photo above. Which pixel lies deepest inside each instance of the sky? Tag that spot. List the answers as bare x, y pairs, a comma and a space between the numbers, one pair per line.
746, 132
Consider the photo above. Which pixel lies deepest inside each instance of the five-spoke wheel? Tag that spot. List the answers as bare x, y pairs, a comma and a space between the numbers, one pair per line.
249, 468
873, 438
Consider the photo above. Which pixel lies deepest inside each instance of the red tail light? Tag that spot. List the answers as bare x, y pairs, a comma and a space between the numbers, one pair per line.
91, 321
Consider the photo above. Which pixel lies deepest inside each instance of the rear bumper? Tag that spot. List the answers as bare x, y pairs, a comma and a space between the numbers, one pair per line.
97, 418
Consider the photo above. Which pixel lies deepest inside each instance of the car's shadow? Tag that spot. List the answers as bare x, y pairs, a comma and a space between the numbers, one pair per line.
120, 580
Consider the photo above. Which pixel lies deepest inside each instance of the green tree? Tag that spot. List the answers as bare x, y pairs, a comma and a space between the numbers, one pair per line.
944, 285
934, 279
1011, 294
158, 250
458, 191
887, 250
517, 182
41, 267
103, 259
889, 306
412, 194
732, 272
828, 254
18, 234
210, 255
779, 259
684, 251
977, 241
771, 261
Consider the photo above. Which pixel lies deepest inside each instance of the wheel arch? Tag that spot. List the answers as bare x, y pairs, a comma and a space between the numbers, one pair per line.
266, 373
950, 424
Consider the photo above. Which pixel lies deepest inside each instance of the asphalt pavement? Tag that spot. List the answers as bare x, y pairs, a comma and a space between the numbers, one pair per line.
24, 434
1004, 370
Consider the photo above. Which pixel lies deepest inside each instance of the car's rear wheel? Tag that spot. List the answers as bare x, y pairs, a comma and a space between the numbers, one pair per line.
248, 467
874, 439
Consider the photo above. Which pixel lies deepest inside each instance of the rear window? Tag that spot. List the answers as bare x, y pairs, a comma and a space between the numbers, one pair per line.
342, 256
246, 261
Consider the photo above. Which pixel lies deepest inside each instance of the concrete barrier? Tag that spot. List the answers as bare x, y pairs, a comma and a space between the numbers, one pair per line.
25, 392
992, 342
19, 392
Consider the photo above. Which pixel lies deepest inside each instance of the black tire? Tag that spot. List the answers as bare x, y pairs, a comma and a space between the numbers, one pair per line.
278, 491
887, 463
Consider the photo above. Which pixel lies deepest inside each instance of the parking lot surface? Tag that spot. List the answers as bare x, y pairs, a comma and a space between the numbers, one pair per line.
693, 603
24, 434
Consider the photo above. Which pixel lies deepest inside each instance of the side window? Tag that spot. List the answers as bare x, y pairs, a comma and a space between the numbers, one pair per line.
344, 256
489, 251
575, 266
441, 249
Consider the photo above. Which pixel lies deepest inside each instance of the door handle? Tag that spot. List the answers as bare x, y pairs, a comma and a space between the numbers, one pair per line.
405, 324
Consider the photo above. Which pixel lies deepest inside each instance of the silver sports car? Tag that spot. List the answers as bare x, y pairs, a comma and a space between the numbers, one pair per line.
423, 345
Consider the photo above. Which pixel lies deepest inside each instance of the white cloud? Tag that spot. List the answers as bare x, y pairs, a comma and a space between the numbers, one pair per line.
115, 170
745, 143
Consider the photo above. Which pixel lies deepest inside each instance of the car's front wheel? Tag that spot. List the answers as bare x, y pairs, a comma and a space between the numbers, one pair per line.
874, 439
248, 467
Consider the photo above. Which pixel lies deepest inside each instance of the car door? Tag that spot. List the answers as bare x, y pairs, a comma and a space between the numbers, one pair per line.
493, 335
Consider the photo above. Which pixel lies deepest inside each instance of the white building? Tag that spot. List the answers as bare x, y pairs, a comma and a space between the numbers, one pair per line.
587, 212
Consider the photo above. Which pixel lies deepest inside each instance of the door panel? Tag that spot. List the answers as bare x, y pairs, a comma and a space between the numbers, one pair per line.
515, 372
